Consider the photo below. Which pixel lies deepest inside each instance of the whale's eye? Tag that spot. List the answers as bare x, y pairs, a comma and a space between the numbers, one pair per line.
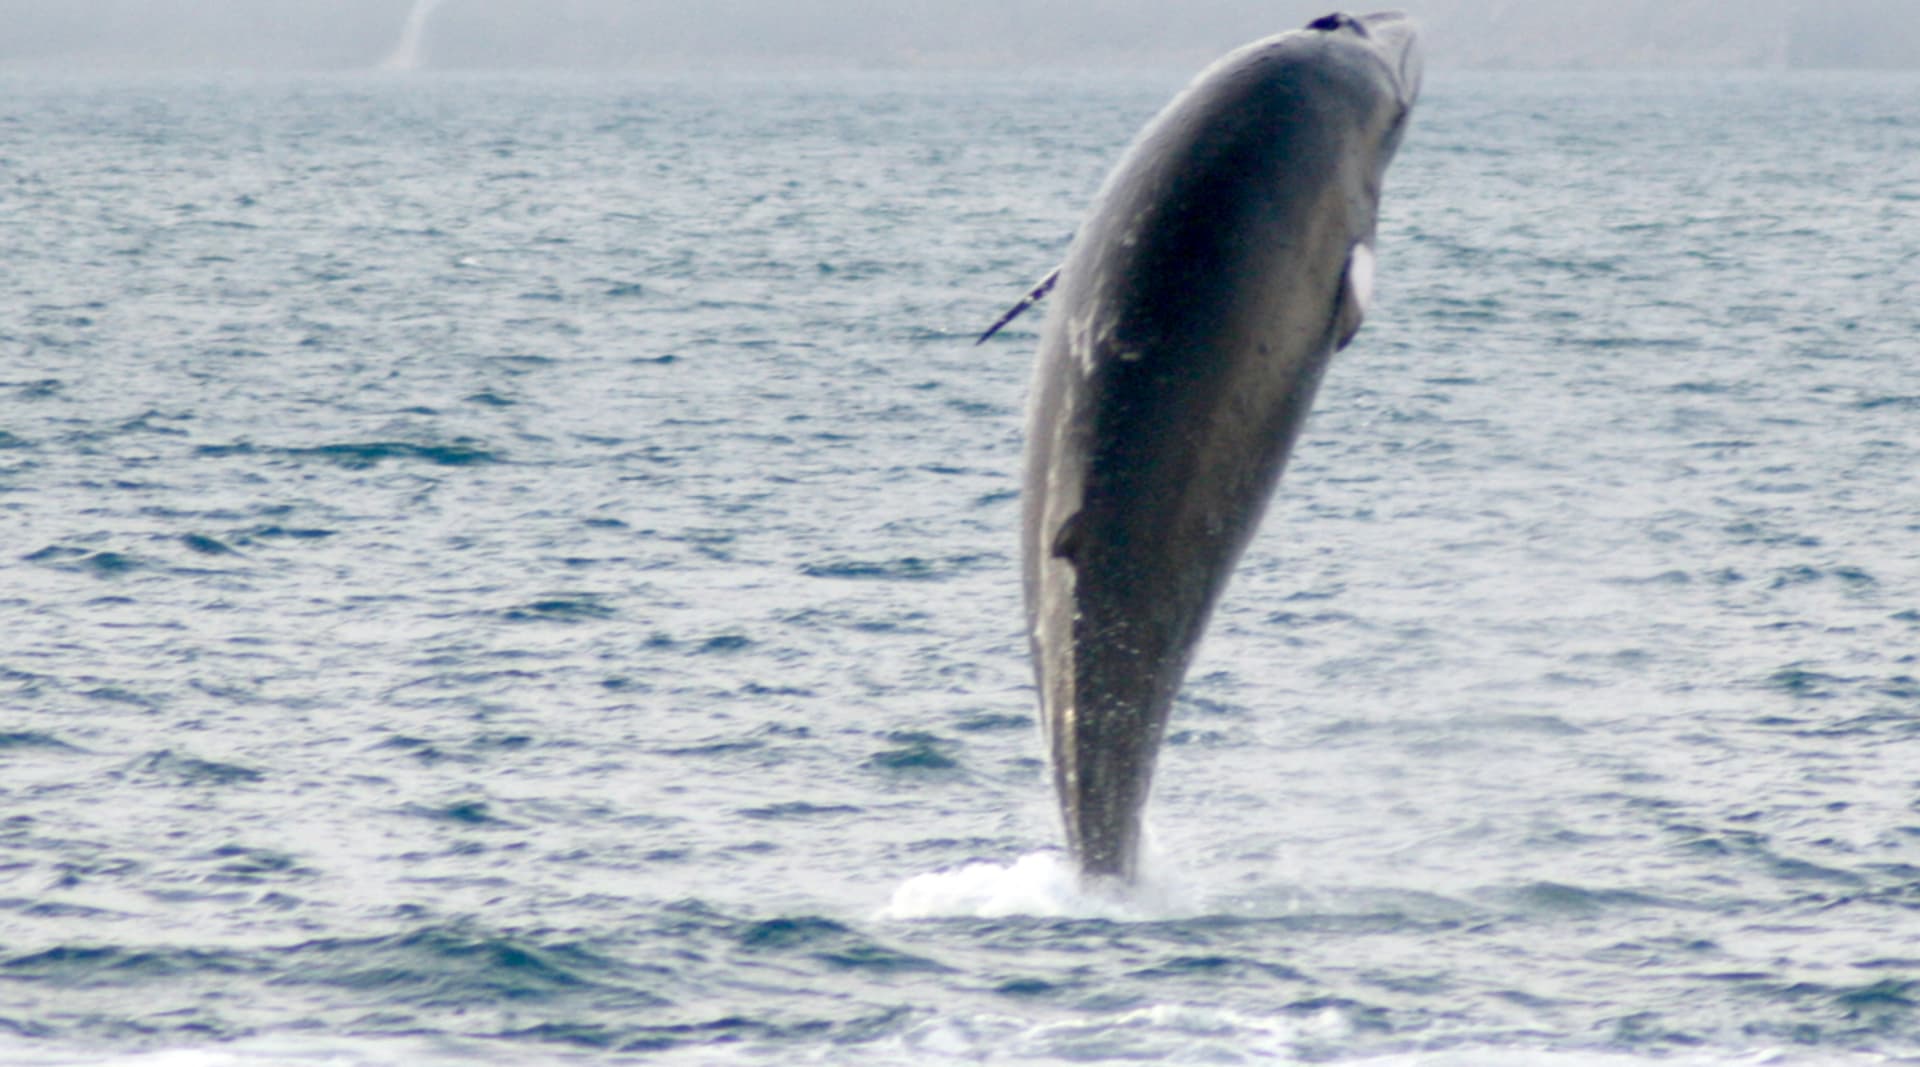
1336, 22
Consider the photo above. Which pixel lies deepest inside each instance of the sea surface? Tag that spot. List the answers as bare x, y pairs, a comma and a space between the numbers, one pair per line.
523, 570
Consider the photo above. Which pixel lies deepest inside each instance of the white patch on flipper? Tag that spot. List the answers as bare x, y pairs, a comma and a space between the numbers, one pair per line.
1360, 278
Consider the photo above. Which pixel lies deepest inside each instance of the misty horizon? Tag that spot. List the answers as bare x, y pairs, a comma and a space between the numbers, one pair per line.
109, 35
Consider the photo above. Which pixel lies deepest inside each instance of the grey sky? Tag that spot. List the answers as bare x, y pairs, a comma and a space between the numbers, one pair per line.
644, 34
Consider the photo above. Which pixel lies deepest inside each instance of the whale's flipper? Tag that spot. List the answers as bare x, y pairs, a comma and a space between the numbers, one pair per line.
1356, 294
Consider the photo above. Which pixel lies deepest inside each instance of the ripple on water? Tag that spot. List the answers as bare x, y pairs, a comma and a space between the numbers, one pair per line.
185, 770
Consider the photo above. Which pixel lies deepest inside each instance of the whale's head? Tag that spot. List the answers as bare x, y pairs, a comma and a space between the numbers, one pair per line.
1392, 38
1380, 56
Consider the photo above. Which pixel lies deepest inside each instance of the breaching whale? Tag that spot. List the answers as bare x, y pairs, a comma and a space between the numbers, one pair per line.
1226, 258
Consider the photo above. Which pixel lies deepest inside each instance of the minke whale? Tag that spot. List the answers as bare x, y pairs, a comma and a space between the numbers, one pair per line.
1225, 259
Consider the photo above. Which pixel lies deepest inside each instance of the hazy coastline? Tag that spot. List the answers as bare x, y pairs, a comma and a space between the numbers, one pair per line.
90, 35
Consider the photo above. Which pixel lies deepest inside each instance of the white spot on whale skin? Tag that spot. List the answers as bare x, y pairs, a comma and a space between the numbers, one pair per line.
1360, 276
1086, 331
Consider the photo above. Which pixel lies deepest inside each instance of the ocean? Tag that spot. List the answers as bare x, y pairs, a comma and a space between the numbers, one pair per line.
522, 569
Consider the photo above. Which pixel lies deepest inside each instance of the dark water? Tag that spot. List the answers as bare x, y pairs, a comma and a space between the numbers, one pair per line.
523, 570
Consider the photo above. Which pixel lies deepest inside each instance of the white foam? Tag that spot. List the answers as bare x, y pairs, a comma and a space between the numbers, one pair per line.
1040, 884
1180, 1033
1520, 1057
315, 1051
1184, 1033
1173, 1032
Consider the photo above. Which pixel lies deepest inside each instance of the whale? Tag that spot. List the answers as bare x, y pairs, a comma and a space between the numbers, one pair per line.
1225, 259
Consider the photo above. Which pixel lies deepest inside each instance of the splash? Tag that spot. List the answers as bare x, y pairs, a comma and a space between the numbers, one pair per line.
1041, 884
406, 54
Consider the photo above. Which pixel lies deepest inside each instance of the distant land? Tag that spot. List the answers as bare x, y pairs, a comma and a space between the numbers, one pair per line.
1013, 34
1678, 34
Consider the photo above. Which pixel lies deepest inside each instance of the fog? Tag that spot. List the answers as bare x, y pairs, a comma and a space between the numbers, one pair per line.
93, 35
